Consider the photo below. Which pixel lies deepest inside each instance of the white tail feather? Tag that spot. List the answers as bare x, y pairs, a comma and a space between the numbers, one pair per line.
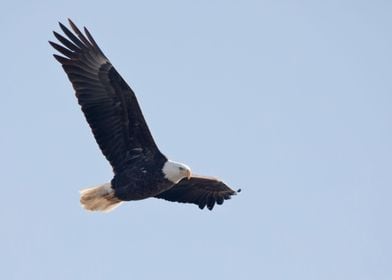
99, 198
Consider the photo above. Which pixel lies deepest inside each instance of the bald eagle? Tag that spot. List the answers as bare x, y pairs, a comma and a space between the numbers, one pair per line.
116, 120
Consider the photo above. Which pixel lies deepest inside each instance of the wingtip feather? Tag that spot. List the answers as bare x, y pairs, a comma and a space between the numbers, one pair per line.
70, 21
61, 59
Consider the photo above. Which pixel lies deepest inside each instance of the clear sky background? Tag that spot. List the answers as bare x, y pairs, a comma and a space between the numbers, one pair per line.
289, 100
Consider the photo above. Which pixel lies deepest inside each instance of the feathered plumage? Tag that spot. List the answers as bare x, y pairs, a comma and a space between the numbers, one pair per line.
116, 120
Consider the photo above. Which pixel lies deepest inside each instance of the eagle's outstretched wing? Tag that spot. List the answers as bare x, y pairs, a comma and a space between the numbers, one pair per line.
203, 191
108, 103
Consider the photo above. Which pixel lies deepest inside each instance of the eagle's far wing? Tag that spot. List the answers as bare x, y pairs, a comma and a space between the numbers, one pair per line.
108, 103
203, 191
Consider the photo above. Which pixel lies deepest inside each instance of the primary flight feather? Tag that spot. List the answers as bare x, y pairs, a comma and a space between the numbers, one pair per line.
113, 113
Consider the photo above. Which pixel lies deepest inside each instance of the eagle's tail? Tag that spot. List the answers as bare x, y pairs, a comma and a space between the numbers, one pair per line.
101, 198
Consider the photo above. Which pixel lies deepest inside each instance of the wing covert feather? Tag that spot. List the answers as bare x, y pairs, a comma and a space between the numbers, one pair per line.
202, 191
108, 103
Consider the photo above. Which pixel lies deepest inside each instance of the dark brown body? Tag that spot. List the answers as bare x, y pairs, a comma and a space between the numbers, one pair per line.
140, 179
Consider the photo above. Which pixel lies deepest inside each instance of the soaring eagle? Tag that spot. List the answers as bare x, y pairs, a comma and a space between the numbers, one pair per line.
112, 111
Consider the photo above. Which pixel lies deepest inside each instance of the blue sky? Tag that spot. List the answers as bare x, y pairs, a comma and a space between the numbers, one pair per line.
289, 100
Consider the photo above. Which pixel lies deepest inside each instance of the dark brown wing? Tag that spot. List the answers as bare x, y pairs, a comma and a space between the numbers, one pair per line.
108, 103
203, 191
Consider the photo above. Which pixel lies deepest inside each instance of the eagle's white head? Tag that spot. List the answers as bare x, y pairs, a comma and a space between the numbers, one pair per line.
175, 171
